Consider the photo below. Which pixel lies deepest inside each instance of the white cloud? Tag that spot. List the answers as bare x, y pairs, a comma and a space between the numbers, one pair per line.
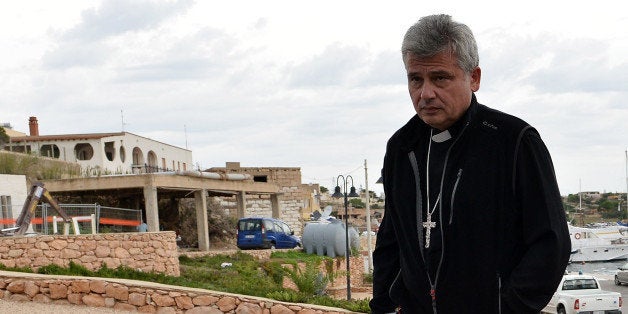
319, 86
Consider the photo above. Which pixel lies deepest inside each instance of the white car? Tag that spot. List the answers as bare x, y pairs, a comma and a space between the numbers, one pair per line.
582, 294
622, 275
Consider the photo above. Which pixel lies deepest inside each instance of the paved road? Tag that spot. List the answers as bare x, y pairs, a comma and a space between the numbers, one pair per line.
47, 308
609, 285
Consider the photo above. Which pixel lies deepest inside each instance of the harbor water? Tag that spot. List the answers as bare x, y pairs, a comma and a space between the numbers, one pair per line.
596, 268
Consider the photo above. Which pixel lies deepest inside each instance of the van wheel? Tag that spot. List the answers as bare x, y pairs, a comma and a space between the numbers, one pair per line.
272, 246
617, 282
561, 310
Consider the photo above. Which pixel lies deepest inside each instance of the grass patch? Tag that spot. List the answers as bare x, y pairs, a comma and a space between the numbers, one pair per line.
17, 269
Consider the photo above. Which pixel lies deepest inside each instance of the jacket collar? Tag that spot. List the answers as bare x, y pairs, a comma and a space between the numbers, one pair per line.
411, 132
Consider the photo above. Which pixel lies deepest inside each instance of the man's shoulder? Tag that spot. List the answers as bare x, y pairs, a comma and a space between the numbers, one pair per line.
498, 122
407, 135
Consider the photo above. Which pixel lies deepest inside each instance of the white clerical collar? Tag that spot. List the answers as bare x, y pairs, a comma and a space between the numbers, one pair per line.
441, 137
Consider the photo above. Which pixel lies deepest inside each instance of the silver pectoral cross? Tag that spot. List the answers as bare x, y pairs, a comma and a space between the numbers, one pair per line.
428, 225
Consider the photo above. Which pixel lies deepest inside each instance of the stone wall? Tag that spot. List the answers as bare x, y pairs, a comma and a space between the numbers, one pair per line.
141, 296
148, 251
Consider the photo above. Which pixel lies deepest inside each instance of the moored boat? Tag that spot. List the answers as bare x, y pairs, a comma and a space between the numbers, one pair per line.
598, 244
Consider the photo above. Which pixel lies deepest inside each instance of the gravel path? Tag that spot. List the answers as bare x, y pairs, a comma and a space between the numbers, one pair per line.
48, 308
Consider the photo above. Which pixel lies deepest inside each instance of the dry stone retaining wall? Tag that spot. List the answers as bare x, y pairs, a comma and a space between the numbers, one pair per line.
148, 251
140, 296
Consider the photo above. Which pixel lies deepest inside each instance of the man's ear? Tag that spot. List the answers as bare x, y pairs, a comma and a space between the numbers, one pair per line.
476, 75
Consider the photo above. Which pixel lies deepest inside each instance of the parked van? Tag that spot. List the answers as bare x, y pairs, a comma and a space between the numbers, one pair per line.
265, 233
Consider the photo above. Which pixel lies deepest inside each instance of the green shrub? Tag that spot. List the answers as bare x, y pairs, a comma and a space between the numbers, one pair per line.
17, 269
274, 270
289, 296
309, 280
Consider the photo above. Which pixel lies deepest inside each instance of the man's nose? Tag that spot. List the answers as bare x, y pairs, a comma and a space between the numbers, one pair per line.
427, 91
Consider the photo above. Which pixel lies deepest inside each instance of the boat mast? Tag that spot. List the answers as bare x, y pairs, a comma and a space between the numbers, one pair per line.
580, 201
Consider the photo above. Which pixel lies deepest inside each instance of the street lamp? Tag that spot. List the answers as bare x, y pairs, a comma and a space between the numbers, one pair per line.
338, 194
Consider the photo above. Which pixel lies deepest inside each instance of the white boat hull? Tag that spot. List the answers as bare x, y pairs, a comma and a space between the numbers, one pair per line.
599, 253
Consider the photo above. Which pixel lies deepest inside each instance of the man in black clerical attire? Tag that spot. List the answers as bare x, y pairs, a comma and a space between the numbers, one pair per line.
474, 221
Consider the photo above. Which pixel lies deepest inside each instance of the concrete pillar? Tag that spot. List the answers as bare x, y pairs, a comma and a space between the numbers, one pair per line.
241, 200
274, 203
152, 212
200, 199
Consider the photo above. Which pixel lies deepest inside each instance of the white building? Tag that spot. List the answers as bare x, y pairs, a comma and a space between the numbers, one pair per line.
104, 153
13, 193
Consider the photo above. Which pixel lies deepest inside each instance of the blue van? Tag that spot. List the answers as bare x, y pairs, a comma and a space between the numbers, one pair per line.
265, 233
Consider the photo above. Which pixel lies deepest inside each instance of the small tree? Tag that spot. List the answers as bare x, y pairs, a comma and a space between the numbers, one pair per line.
4, 137
357, 203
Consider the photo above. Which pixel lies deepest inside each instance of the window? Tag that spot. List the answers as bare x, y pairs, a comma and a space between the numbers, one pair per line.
138, 156
269, 226
6, 211
152, 159
110, 151
260, 178
286, 228
250, 225
83, 151
49, 150
579, 284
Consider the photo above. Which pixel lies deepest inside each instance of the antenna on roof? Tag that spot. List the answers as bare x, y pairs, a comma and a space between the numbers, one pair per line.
185, 131
122, 116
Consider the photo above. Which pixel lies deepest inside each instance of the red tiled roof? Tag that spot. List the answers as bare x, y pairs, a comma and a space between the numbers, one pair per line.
63, 137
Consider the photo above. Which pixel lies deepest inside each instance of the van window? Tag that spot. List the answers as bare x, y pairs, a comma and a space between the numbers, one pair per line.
286, 228
268, 224
250, 225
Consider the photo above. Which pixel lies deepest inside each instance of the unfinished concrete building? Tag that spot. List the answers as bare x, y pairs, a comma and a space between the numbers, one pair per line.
296, 201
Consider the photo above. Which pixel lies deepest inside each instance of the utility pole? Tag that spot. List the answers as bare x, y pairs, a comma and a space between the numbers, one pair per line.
368, 218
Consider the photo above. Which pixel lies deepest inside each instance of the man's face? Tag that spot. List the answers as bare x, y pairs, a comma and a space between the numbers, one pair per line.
440, 90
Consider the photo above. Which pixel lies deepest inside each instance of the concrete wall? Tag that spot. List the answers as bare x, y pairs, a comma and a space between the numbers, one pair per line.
15, 187
148, 251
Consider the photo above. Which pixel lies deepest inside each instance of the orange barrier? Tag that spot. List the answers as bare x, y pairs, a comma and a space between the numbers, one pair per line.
103, 221
119, 222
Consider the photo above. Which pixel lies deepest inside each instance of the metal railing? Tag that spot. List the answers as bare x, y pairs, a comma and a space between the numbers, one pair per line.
146, 168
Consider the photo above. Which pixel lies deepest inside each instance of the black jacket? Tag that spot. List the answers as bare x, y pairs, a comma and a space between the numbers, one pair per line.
505, 242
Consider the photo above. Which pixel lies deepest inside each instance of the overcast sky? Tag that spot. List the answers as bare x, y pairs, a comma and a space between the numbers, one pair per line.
318, 85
